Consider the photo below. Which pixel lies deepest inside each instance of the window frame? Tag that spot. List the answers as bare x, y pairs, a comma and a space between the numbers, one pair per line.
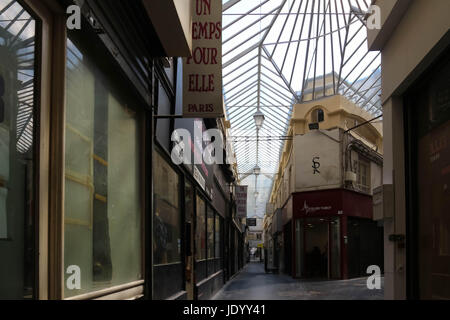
158, 151
133, 289
366, 188
52, 154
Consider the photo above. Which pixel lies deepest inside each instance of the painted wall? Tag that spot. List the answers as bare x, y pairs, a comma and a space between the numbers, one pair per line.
317, 161
422, 26
410, 47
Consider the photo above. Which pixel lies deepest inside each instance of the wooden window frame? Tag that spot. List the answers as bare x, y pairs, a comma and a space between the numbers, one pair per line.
48, 58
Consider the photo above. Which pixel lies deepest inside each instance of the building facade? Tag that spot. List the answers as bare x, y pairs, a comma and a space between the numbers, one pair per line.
91, 204
414, 41
322, 223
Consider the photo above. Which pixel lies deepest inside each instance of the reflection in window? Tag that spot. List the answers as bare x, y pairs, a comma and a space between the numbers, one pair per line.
102, 209
166, 222
17, 111
200, 236
217, 237
335, 248
210, 245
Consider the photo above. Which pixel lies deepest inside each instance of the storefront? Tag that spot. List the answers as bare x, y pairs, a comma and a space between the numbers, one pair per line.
195, 233
72, 125
415, 102
76, 198
334, 236
428, 198
91, 204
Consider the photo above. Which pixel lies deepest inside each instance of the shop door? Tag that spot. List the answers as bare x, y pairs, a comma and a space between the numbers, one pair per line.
276, 251
353, 248
429, 127
434, 213
316, 248
288, 248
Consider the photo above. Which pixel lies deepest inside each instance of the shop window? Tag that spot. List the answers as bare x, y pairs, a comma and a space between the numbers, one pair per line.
166, 222
299, 248
162, 130
335, 248
316, 247
210, 233
363, 175
218, 236
17, 162
102, 209
200, 233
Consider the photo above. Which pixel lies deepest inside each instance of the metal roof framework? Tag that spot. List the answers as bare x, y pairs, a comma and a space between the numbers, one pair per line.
277, 53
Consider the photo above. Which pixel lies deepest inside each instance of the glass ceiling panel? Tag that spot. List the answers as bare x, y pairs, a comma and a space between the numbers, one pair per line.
280, 52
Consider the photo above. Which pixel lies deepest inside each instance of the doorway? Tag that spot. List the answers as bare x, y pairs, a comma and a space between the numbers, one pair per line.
316, 248
287, 232
427, 110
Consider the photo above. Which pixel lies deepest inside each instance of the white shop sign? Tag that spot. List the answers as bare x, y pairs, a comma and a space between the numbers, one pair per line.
202, 72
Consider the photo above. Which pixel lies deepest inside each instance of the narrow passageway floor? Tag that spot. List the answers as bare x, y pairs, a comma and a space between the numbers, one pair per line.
254, 284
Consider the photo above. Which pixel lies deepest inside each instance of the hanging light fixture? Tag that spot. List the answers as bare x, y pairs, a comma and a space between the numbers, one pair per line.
256, 170
259, 119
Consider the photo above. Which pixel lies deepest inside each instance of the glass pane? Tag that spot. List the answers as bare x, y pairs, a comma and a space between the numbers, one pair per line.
210, 233
166, 223
200, 236
299, 252
217, 238
316, 248
102, 223
17, 111
189, 202
335, 248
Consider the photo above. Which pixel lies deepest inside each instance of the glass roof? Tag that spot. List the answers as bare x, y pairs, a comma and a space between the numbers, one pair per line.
280, 52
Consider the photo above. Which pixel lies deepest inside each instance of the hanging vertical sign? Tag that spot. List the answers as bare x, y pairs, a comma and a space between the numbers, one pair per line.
202, 72
241, 201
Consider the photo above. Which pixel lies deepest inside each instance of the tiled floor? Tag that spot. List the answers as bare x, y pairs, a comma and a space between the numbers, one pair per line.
254, 284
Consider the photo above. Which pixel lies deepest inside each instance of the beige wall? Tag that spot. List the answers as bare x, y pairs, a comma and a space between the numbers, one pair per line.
391, 13
394, 171
326, 147
420, 29
298, 153
376, 176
